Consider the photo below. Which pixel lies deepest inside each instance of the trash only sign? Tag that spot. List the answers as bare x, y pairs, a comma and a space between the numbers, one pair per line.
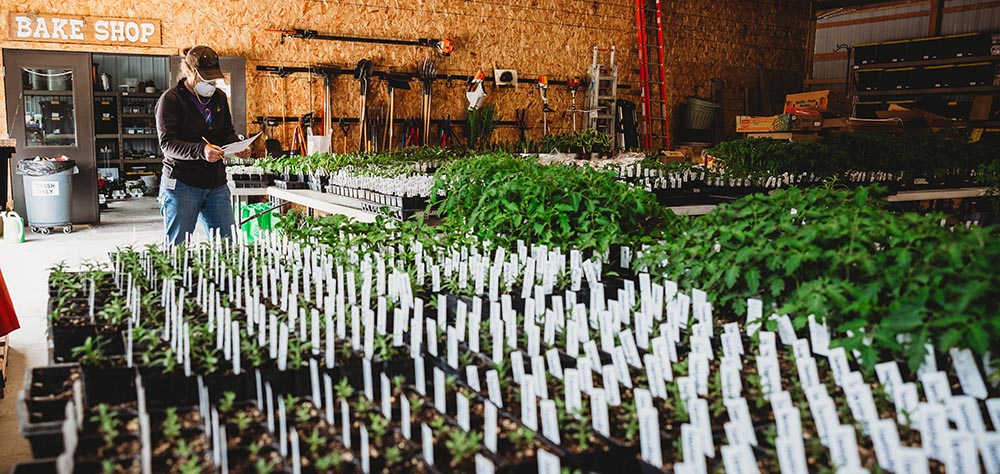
45, 188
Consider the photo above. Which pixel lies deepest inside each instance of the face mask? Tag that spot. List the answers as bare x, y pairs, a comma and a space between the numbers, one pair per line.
205, 88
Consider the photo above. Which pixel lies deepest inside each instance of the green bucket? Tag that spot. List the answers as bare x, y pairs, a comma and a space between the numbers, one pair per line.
264, 222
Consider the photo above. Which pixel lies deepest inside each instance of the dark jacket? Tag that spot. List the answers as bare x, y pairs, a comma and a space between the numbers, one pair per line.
181, 128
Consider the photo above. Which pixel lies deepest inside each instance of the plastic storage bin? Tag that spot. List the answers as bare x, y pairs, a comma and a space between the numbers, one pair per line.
699, 114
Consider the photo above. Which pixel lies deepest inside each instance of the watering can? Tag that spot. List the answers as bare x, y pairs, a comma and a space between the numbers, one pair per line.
13, 227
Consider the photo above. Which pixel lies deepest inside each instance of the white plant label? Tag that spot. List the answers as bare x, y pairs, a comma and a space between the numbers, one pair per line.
483, 465
739, 460
885, 439
907, 403
964, 411
936, 388
548, 463
404, 417
933, 431
888, 375
550, 420
462, 406
755, 315
844, 447
963, 458
427, 441
968, 373
529, 404
691, 448
610, 382
490, 426
440, 402
649, 436
599, 410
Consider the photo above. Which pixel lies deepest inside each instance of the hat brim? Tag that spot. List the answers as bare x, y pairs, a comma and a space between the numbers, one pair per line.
211, 74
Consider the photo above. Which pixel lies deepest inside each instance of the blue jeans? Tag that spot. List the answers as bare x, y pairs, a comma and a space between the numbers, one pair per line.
183, 206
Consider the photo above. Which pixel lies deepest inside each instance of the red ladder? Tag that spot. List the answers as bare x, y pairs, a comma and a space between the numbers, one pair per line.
655, 122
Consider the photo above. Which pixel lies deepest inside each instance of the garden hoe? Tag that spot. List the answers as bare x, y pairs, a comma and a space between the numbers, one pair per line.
426, 74
363, 73
543, 88
393, 82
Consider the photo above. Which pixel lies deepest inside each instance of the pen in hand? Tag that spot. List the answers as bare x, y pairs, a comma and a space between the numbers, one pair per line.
214, 148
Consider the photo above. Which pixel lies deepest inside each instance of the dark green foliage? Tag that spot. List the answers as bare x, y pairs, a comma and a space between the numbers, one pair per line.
502, 198
839, 255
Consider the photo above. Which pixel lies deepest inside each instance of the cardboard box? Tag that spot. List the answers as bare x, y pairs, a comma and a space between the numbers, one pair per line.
790, 136
982, 105
779, 123
822, 101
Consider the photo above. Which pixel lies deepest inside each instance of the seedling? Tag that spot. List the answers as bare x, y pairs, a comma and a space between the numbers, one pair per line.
463, 446
171, 424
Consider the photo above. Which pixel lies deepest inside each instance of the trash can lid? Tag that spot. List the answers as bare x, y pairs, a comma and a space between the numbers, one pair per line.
39, 166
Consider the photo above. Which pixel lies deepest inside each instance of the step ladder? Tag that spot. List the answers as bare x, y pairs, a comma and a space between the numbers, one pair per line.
649, 28
602, 94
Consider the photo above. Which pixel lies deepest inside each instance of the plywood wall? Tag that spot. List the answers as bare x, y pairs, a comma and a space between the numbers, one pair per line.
552, 37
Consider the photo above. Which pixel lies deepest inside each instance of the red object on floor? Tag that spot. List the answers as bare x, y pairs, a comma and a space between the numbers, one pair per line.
8, 319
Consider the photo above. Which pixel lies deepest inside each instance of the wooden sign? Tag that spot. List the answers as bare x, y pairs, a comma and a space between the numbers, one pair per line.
87, 29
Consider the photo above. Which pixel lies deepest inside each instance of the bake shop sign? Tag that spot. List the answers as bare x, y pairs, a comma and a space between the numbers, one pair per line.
83, 29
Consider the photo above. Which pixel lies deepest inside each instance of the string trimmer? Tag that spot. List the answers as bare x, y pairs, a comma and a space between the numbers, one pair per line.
543, 88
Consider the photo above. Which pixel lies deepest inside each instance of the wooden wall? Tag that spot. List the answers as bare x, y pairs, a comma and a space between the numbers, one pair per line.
730, 39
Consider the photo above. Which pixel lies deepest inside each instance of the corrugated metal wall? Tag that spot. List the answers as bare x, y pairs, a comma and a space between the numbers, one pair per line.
889, 22
141, 68
962, 16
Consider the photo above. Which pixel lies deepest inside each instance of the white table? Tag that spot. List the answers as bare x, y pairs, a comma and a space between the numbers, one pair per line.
320, 202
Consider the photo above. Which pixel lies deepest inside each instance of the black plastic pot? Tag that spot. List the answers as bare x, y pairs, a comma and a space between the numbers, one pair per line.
113, 385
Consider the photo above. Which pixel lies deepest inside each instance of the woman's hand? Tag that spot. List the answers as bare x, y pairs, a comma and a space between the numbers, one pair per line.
213, 153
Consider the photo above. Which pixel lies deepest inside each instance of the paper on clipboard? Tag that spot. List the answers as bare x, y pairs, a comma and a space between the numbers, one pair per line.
233, 148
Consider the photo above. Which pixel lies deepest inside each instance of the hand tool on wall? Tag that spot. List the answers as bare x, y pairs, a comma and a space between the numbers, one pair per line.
443, 46
475, 94
392, 82
345, 128
543, 88
426, 73
363, 73
573, 84
521, 119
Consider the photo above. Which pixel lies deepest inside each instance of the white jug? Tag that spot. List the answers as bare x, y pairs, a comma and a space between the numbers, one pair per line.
13, 227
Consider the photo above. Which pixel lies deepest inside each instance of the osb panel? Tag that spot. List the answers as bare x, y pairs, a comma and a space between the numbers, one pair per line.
731, 39
553, 38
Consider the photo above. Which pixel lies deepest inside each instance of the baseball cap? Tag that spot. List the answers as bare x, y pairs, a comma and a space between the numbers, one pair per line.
205, 61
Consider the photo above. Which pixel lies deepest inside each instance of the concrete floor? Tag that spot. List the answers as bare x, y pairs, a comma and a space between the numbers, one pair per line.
25, 269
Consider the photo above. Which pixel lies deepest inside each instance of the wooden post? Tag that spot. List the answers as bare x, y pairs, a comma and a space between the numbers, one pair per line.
936, 14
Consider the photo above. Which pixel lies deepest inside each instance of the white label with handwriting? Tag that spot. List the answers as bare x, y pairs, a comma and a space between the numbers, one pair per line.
844, 446
599, 410
936, 388
968, 373
964, 411
819, 336
550, 420
933, 431
649, 436
885, 439
739, 460
962, 457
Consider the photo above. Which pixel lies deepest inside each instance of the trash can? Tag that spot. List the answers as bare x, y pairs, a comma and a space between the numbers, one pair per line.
700, 114
48, 193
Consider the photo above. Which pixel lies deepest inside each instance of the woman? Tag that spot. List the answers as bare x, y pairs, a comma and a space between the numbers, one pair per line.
192, 120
